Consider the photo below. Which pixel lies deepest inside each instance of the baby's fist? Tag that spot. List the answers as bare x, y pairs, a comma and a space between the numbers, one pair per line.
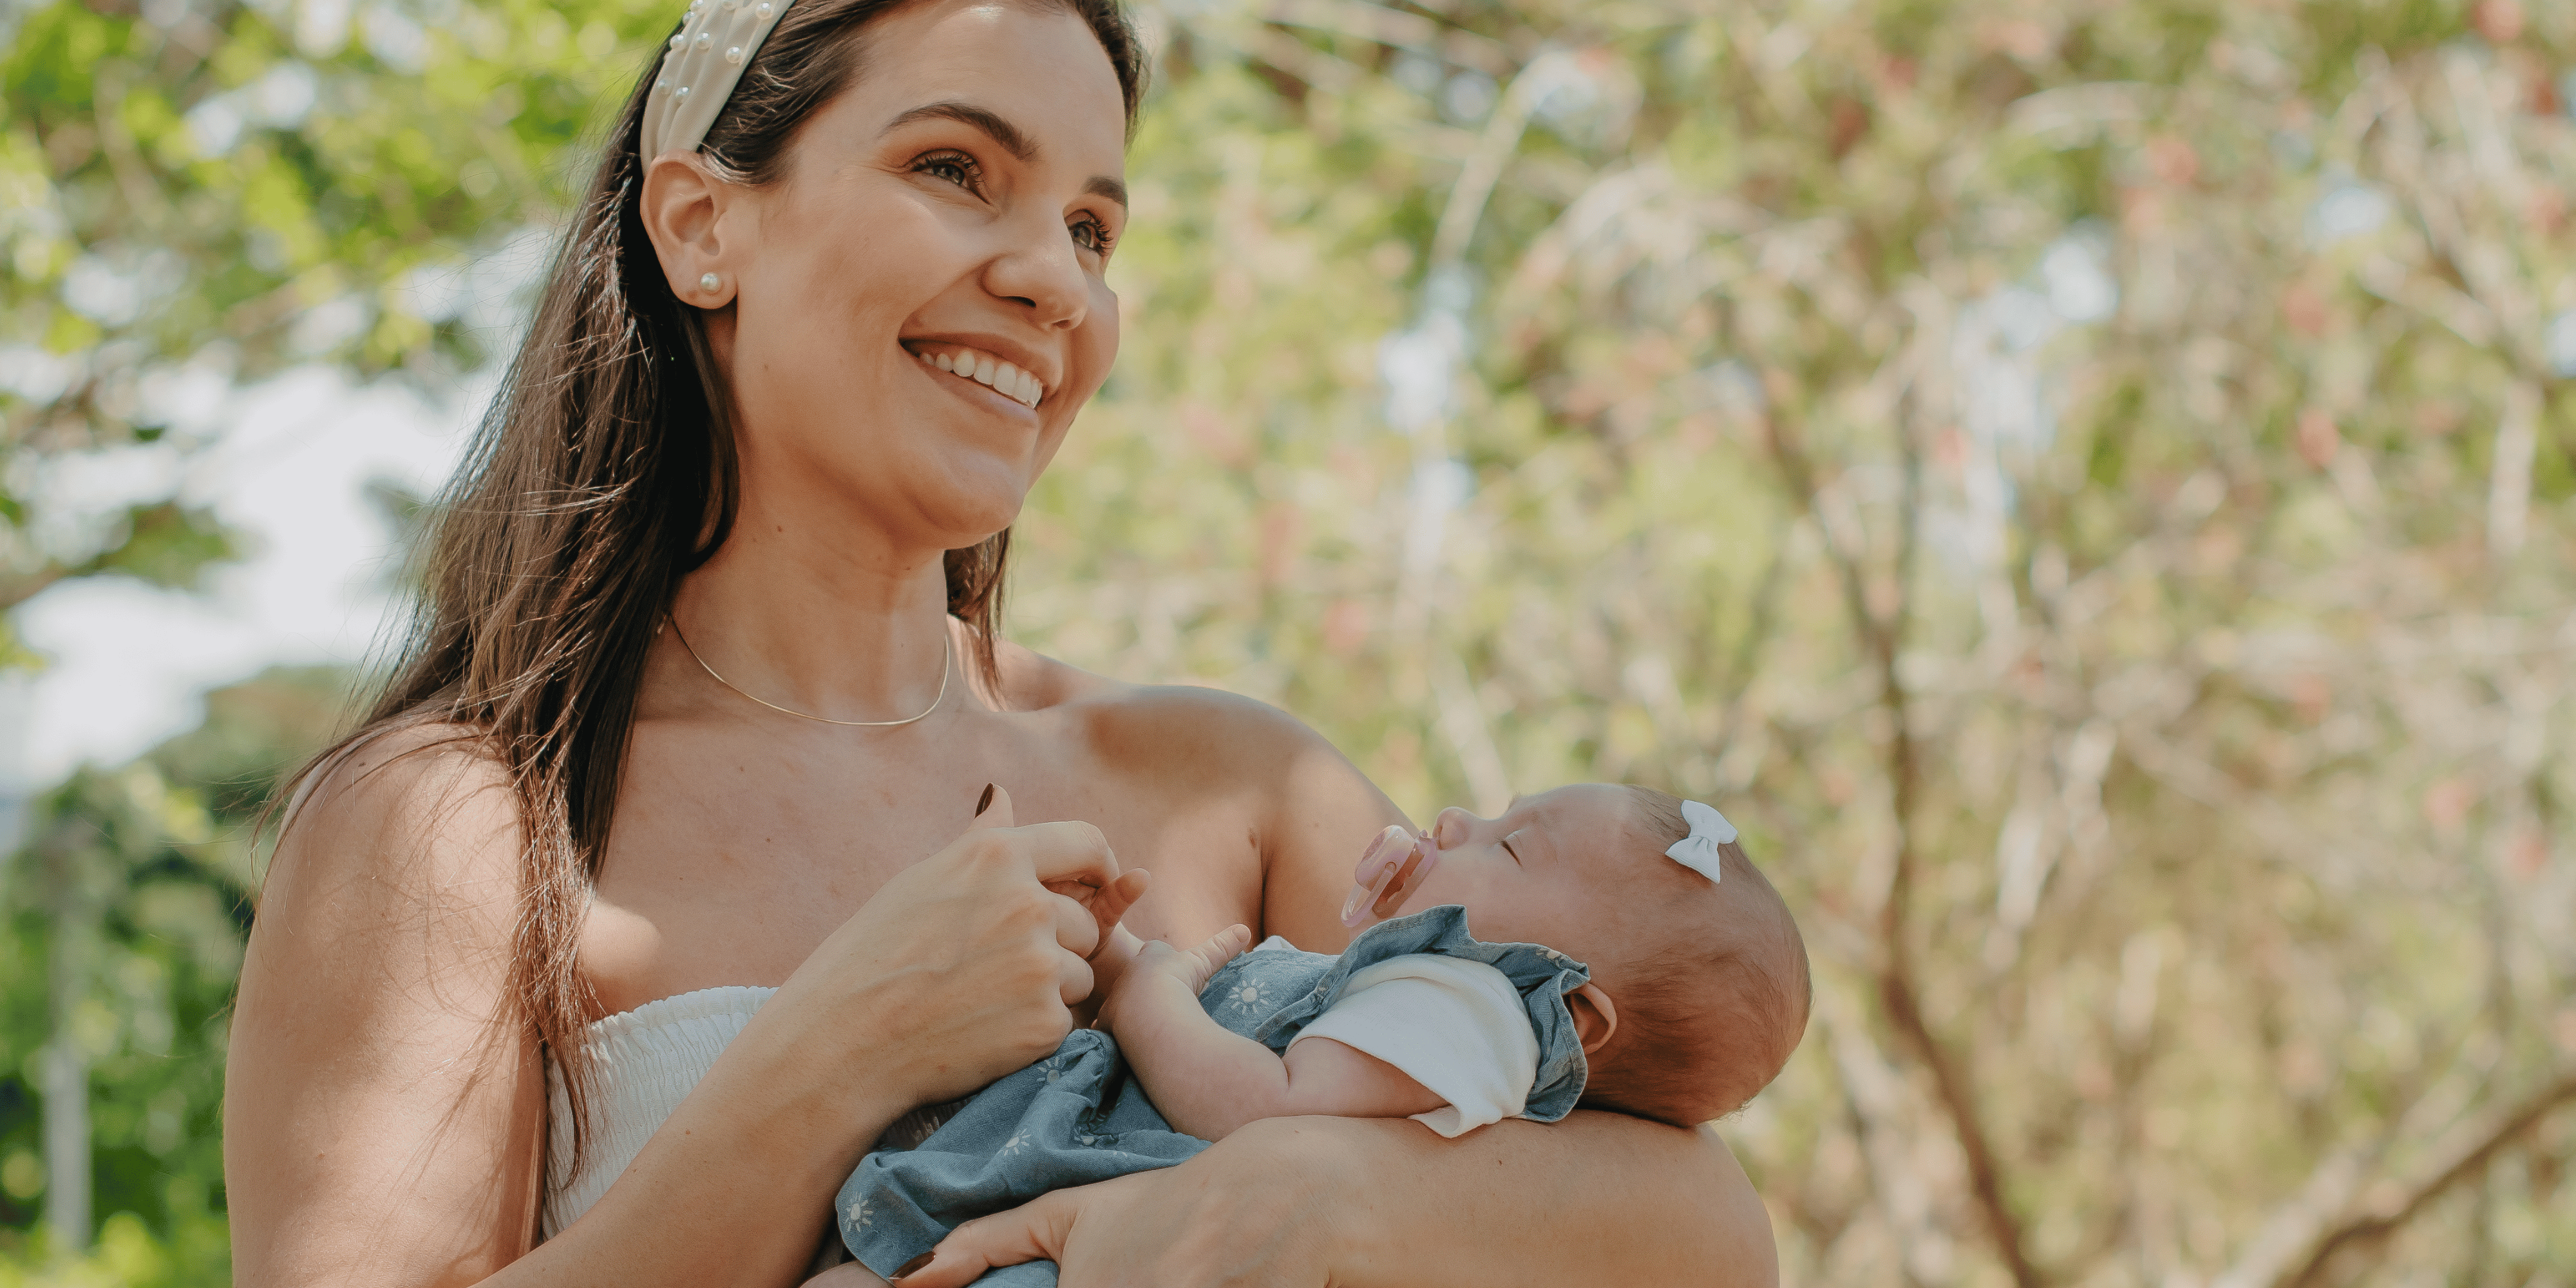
1195, 966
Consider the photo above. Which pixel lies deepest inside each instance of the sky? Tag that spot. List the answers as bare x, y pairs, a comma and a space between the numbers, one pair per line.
288, 465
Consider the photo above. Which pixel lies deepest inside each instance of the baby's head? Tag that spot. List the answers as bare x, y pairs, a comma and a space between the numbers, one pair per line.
1699, 988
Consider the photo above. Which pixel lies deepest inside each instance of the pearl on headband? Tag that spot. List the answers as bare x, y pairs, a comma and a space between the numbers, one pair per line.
704, 61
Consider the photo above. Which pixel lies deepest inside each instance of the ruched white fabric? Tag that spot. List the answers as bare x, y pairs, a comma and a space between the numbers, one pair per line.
644, 1062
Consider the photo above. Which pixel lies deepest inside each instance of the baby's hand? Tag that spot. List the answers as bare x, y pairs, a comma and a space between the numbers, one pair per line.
1193, 967
1108, 906
1156, 961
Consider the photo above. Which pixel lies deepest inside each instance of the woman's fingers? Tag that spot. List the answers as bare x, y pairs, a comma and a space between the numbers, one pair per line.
1169, 1228
848, 1274
1070, 851
1246, 1218
1010, 969
1058, 854
1107, 905
1077, 931
1110, 905
1126, 891
1027, 1233
992, 810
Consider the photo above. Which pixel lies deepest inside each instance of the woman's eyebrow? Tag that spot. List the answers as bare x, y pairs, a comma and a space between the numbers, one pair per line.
1013, 139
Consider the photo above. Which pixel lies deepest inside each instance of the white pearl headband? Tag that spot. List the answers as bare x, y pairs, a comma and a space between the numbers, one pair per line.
700, 69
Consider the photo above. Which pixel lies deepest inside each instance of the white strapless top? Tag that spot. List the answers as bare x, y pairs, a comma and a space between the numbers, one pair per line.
644, 1062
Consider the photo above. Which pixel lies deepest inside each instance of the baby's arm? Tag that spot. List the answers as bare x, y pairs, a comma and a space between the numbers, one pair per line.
1208, 1081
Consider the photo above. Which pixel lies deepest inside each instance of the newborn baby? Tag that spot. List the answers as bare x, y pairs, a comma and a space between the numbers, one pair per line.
1624, 954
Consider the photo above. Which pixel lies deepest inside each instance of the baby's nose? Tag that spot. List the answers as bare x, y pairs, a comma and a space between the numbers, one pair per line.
1450, 830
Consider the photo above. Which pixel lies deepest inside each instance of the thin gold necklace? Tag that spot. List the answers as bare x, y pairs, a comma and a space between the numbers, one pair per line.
947, 654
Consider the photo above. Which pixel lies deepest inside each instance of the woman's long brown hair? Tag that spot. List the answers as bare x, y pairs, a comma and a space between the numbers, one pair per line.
602, 474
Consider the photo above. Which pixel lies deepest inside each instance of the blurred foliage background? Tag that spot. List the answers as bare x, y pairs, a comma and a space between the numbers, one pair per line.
2087, 485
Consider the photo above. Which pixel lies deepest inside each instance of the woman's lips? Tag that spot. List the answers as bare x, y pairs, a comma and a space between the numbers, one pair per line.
984, 369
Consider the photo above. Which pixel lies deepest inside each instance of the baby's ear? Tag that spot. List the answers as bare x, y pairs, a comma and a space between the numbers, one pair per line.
1595, 1017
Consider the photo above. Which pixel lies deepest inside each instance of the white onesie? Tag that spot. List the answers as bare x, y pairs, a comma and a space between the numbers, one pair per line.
1458, 1027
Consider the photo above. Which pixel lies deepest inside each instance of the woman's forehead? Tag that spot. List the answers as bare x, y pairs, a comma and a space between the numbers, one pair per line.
1036, 67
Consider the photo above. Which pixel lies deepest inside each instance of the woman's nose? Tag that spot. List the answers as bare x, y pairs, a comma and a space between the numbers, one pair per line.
1453, 828
1045, 274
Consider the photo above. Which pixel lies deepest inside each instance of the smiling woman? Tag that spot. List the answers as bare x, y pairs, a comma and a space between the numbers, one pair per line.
665, 877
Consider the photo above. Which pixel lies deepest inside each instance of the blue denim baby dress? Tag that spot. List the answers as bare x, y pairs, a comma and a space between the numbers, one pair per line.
1079, 1115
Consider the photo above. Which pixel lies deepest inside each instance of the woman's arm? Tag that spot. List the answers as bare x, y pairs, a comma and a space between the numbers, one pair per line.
378, 1124
1598, 1198
382, 1123
1376, 1203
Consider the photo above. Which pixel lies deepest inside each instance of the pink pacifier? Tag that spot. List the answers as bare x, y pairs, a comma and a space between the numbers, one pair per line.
1396, 859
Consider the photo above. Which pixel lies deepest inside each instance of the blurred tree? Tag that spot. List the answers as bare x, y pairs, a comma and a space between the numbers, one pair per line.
2087, 485
2090, 483
194, 195
127, 914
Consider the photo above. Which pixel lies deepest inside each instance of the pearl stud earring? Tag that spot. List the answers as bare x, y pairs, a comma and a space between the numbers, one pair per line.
709, 282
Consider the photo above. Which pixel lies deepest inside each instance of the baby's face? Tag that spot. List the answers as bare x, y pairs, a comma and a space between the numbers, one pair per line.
1558, 869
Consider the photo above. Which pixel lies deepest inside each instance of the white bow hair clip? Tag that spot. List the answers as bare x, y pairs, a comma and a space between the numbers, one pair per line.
1708, 830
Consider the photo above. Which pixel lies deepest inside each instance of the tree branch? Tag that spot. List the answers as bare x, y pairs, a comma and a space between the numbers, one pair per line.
1899, 993
2471, 1159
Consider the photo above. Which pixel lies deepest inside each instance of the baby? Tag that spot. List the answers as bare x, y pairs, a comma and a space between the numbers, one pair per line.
1625, 955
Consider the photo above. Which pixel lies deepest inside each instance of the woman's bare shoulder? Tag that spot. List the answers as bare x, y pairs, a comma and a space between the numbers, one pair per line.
1161, 724
422, 806
1312, 809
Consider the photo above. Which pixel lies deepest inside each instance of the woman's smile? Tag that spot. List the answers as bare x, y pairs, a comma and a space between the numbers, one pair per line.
970, 364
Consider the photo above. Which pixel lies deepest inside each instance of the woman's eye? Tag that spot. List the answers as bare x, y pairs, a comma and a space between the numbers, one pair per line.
1089, 235
955, 167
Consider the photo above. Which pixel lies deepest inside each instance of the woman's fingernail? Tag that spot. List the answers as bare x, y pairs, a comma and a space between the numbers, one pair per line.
925, 1258
985, 801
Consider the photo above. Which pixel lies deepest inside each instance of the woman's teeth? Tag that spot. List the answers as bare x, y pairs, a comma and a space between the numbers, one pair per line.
985, 369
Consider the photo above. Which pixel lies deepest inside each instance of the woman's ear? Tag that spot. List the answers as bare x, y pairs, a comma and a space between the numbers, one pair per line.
683, 209
1595, 1018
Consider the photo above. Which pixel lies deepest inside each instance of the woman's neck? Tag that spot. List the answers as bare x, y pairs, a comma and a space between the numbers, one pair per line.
846, 628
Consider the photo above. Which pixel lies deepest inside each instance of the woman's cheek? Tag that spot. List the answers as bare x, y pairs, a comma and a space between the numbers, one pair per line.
1096, 341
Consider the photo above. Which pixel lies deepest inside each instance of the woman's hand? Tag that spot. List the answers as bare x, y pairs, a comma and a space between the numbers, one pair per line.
1118, 945
965, 966
1259, 1214
1381, 1203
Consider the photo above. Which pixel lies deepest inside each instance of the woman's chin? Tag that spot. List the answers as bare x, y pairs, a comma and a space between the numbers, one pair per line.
972, 524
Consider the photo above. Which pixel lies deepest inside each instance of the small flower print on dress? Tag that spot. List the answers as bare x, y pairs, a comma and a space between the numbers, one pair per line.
860, 1212
1244, 997
1019, 1141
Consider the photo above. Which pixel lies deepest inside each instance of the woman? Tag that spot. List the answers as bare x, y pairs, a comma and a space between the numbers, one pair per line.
736, 499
